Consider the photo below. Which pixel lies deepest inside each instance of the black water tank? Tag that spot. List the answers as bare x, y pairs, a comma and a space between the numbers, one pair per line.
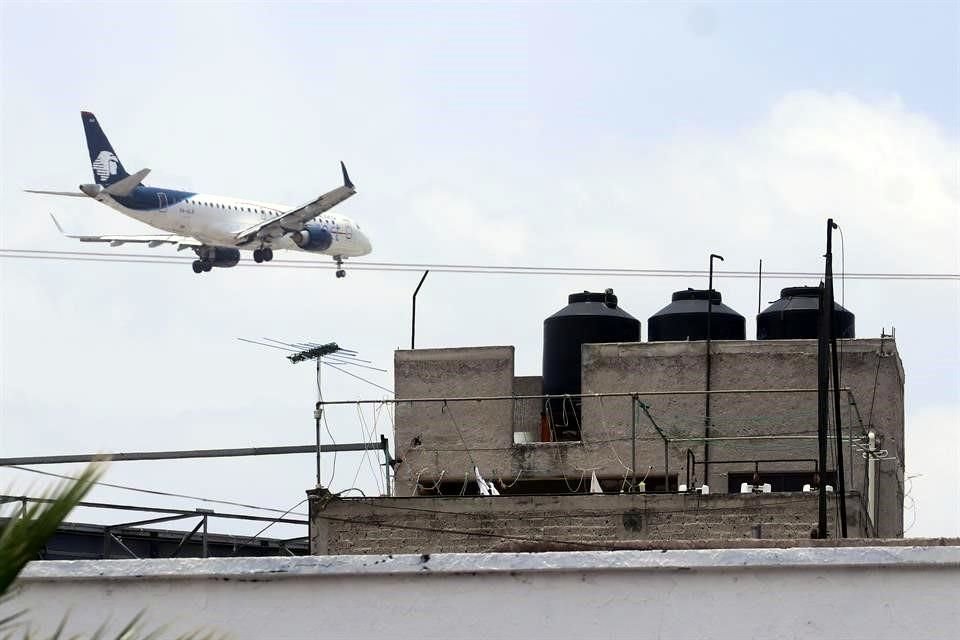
796, 315
686, 319
588, 318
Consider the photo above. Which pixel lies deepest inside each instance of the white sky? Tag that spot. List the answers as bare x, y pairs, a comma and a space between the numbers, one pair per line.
635, 136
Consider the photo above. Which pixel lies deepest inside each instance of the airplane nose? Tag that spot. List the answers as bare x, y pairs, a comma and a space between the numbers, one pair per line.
365, 244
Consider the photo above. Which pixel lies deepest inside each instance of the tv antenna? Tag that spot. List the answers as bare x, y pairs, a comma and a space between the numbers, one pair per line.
330, 354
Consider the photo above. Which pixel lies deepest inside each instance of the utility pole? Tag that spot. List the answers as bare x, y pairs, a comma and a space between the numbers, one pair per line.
824, 333
827, 309
706, 418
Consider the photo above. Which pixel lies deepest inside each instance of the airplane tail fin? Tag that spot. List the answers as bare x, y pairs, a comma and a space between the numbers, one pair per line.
106, 166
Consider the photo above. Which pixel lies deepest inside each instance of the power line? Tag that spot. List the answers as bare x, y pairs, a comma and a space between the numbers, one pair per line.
475, 269
10, 499
264, 529
168, 494
353, 375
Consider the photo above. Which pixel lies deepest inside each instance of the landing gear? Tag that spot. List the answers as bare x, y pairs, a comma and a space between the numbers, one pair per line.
202, 266
262, 255
209, 256
341, 272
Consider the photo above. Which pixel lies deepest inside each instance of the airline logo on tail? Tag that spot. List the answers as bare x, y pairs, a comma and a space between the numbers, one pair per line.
105, 165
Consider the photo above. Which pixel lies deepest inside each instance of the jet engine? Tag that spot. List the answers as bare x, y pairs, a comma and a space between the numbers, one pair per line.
92, 190
313, 237
224, 257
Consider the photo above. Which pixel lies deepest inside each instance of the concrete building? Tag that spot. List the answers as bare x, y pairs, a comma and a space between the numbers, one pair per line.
642, 418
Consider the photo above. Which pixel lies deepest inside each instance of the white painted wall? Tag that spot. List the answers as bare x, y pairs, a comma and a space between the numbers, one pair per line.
866, 592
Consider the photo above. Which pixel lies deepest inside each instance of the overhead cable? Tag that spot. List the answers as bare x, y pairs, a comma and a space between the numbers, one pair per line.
155, 492
478, 269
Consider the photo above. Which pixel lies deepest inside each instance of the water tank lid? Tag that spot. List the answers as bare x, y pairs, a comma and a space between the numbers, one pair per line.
698, 294
800, 292
606, 297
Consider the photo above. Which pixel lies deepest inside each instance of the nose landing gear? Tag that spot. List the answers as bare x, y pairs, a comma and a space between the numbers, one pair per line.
341, 272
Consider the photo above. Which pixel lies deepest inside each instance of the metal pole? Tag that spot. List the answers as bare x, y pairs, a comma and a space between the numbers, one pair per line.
759, 285
828, 303
666, 465
204, 537
706, 419
413, 316
189, 454
317, 415
823, 381
633, 447
386, 463
871, 480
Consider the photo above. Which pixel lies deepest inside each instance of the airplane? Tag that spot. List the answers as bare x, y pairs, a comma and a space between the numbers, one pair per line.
216, 228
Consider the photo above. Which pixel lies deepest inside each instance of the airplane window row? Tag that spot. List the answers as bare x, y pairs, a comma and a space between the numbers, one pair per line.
234, 208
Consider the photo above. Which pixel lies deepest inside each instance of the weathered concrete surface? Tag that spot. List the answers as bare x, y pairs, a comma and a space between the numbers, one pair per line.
573, 521
435, 437
773, 364
432, 450
875, 592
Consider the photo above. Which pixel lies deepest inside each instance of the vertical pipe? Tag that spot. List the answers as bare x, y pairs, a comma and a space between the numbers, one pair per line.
841, 467
317, 414
666, 465
759, 285
706, 419
413, 316
633, 446
204, 536
872, 480
828, 303
823, 379
386, 463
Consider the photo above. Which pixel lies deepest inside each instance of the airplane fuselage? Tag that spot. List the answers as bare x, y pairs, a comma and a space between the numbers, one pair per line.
216, 228
216, 220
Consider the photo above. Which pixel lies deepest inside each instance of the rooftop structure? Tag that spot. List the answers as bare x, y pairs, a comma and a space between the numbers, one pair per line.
642, 421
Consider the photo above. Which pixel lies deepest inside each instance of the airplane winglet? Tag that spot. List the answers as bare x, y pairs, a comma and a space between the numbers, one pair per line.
346, 176
59, 228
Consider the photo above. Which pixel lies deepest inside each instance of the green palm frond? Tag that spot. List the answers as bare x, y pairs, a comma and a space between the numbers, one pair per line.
23, 537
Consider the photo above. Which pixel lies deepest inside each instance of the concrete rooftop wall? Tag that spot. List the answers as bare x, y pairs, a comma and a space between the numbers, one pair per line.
868, 592
442, 443
572, 521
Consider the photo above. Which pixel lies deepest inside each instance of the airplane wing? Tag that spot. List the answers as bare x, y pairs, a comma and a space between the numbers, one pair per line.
295, 219
182, 242
73, 194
